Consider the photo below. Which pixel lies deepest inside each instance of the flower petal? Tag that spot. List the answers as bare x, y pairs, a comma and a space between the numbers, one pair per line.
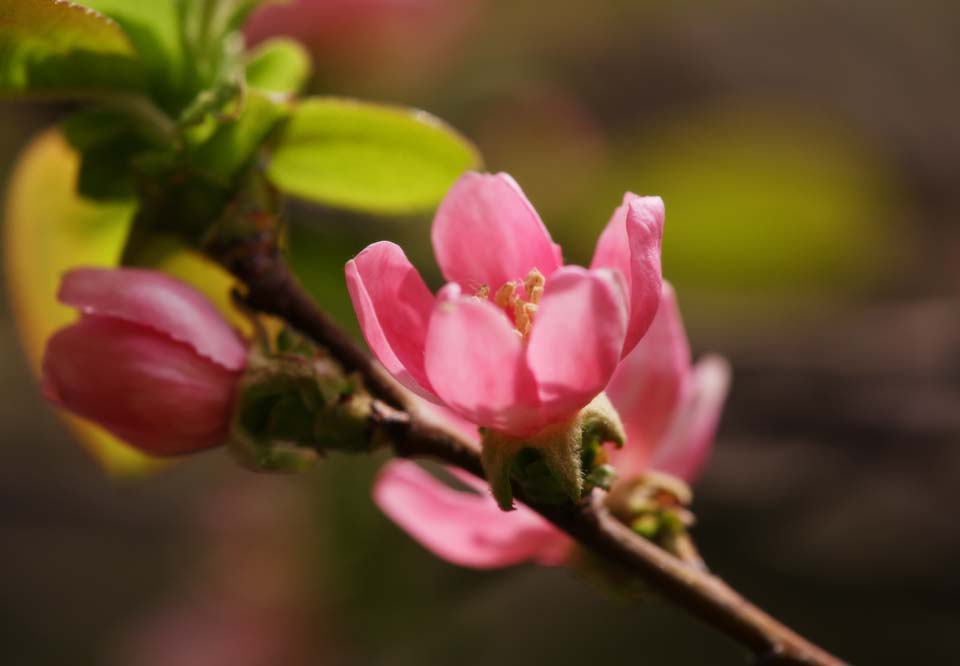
475, 362
577, 335
147, 389
486, 232
631, 243
687, 444
159, 302
462, 527
648, 383
393, 306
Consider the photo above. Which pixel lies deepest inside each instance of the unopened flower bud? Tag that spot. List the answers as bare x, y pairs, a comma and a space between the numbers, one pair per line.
150, 360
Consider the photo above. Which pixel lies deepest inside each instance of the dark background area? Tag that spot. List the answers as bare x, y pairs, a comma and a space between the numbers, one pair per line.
808, 153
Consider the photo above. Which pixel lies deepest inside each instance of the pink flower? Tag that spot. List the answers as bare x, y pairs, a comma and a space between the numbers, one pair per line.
516, 340
150, 360
670, 410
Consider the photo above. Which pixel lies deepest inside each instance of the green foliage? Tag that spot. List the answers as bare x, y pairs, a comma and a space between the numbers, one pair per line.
368, 157
107, 140
189, 48
174, 146
279, 66
153, 29
235, 142
60, 48
205, 110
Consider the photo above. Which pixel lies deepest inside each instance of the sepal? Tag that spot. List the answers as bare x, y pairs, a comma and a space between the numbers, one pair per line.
558, 464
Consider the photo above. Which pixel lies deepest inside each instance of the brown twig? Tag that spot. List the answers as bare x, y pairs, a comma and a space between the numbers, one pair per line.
271, 288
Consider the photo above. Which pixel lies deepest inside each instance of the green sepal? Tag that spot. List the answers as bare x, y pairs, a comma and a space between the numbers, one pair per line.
561, 453
497, 467
558, 464
601, 423
546, 466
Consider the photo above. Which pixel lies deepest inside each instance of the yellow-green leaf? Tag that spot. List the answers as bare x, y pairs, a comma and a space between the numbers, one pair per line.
60, 48
368, 157
279, 66
49, 229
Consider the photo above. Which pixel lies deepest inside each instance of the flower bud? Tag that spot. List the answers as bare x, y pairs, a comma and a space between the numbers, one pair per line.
150, 360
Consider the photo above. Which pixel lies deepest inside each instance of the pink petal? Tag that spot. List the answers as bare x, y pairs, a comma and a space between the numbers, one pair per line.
462, 527
155, 300
443, 417
648, 383
687, 444
151, 391
631, 243
393, 306
577, 336
486, 232
475, 362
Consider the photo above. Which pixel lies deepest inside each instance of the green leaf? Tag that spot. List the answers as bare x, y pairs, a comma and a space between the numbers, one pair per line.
188, 46
61, 48
369, 157
235, 144
279, 66
154, 28
235, 13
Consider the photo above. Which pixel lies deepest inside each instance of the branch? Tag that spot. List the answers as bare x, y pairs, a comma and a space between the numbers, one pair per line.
272, 289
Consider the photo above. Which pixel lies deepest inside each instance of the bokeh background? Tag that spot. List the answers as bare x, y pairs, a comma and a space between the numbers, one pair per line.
808, 152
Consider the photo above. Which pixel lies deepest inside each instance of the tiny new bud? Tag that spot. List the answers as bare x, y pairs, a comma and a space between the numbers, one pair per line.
150, 360
294, 405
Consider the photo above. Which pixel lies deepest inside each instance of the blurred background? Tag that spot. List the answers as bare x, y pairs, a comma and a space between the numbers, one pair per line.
808, 153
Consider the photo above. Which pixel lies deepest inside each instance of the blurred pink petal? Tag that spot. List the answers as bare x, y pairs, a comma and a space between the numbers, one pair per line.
486, 232
393, 306
686, 445
157, 301
576, 341
648, 383
399, 40
461, 527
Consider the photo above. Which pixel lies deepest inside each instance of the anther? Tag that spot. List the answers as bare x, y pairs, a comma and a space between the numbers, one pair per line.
506, 295
533, 285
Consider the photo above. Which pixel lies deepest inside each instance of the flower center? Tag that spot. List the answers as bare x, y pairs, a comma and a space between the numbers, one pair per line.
519, 299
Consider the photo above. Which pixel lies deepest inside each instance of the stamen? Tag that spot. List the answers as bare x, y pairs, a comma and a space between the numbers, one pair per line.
523, 316
533, 285
506, 295
483, 293
524, 309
